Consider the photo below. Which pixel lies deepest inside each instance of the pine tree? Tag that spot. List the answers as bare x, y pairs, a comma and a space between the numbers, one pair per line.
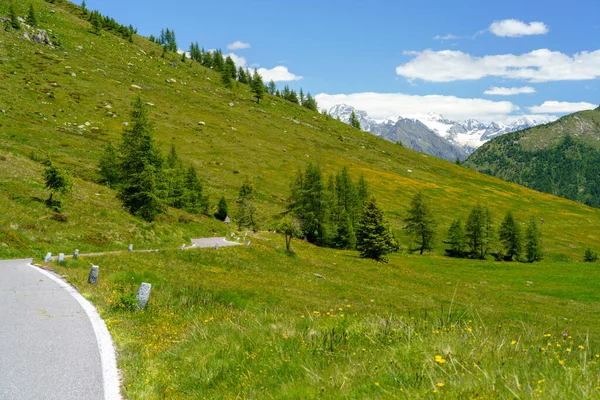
456, 239
354, 120
345, 235
140, 166
420, 223
510, 236
271, 87
458, 162
218, 63
31, 18
533, 246
109, 167
246, 215
479, 231
310, 102
374, 237
96, 21
222, 209
257, 86
230, 68
590, 255
84, 7
56, 181
242, 77
197, 202
14, 19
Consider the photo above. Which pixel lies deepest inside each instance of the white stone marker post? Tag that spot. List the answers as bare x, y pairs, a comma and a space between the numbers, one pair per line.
93, 278
76, 254
143, 295
61, 258
130, 248
48, 257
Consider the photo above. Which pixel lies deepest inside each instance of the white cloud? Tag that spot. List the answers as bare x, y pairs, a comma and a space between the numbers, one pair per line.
277, 74
238, 45
445, 37
504, 91
516, 28
382, 106
238, 60
560, 107
540, 65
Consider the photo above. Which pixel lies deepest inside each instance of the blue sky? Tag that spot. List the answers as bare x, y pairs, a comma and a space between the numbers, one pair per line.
390, 58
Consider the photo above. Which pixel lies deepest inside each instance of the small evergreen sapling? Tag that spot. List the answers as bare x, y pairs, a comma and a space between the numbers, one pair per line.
56, 181
590, 255
31, 18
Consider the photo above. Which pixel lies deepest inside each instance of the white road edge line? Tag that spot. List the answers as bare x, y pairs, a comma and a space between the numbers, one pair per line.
108, 359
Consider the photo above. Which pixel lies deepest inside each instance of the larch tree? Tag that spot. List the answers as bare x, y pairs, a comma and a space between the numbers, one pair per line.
479, 231
246, 215
141, 166
533, 245
354, 120
257, 86
109, 167
31, 18
14, 19
456, 239
374, 237
420, 223
510, 236
56, 181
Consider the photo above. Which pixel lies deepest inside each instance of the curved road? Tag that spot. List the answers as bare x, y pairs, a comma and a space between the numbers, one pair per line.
48, 348
53, 344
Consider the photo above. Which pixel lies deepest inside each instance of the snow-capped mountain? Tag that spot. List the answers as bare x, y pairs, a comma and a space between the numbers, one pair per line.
471, 133
464, 137
343, 112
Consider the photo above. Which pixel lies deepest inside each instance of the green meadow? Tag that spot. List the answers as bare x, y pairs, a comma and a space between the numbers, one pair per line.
255, 322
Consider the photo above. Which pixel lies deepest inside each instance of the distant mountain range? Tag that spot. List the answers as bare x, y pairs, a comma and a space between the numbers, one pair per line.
434, 134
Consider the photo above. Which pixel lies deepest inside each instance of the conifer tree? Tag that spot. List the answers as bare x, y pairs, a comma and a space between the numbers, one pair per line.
222, 209
456, 239
479, 231
84, 7
218, 63
354, 120
109, 167
14, 19
31, 18
246, 215
271, 87
345, 235
510, 236
590, 255
374, 237
420, 223
197, 202
307, 202
363, 192
56, 181
230, 68
96, 21
257, 86
242, 76
301, 97
310, 102
533, 246
140, 166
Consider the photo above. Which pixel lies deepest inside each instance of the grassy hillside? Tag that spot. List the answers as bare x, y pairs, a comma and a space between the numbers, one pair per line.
255, 322
562, 158
47, 108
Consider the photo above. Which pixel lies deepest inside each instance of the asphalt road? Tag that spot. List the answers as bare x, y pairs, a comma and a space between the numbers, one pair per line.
48, 349
210, 242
